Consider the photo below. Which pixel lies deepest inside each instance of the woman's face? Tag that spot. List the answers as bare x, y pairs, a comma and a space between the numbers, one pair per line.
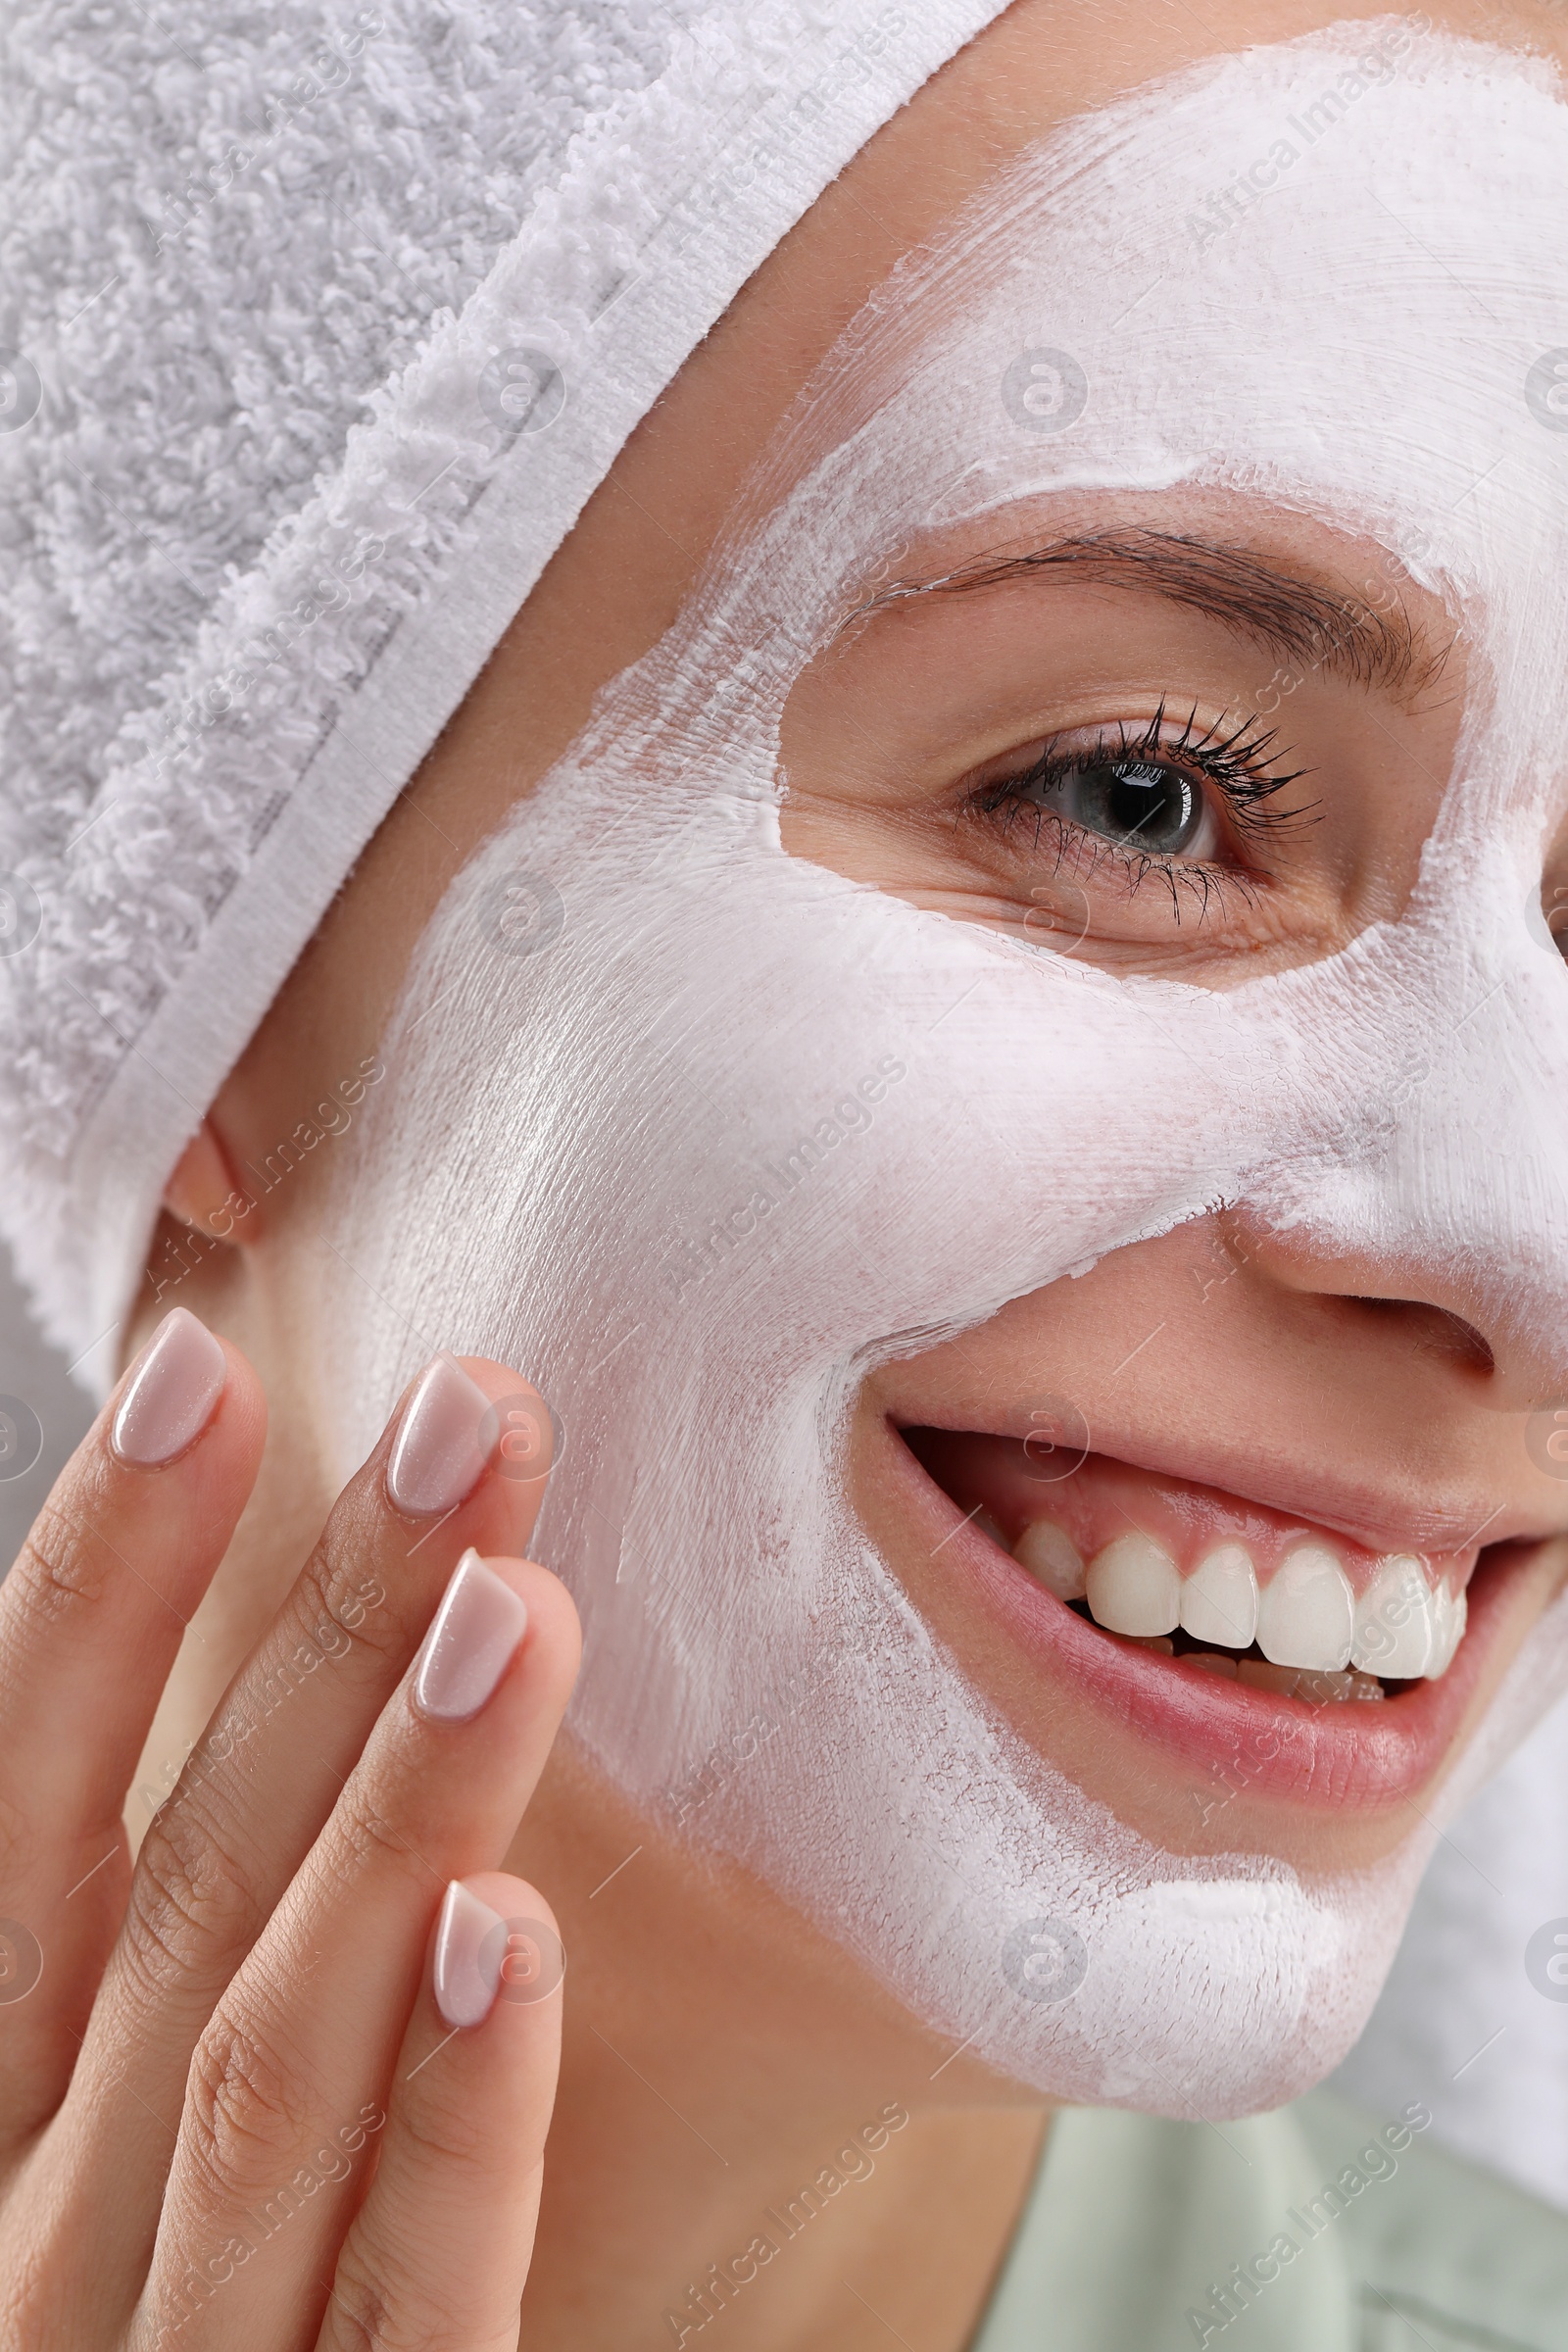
1135, 678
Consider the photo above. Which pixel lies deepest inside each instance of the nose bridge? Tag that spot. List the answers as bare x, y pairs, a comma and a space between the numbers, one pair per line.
1441, 1168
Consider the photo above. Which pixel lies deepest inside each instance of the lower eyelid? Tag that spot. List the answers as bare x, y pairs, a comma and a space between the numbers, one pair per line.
1203, 878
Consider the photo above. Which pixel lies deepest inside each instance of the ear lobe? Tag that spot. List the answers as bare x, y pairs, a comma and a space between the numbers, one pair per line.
204, 1190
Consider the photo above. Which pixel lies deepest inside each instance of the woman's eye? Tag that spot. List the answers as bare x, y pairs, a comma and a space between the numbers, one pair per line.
1195, 810
1137, 805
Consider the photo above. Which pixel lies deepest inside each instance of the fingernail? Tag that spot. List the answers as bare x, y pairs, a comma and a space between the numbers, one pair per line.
471, 1944
470, 1643
174, 1388
438, 1457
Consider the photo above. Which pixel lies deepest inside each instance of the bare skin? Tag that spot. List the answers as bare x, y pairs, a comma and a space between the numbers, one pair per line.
716, 2053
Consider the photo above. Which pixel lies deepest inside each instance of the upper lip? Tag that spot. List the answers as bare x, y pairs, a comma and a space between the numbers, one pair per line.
1323, 1495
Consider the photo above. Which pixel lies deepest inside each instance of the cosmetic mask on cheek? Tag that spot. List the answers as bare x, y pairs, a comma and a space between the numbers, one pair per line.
694, 1132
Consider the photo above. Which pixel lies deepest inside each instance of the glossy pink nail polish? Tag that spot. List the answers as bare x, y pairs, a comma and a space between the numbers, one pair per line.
173, 1393
438, 1456
470, 1944
470, 1642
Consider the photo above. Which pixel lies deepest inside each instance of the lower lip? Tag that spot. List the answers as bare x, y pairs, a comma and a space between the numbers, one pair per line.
1353, 1754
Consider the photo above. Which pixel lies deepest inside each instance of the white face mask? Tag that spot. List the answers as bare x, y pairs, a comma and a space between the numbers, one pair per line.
587, 1158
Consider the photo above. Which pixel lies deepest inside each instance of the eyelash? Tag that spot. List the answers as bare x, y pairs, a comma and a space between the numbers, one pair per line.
1230, 760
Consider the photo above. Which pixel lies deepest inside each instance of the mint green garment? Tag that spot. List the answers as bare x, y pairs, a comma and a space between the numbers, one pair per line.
1133, 2222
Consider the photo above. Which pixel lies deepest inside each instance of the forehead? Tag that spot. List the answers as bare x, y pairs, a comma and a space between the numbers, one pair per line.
1327, 277
1279, 270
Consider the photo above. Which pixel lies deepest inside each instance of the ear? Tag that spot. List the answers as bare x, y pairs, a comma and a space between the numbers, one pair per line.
205, 1192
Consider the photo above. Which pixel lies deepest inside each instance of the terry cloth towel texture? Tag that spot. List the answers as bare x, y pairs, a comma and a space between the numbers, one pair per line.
317, 331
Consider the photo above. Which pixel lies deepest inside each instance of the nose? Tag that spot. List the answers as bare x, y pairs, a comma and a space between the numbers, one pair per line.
1405, 1302
1437, 1188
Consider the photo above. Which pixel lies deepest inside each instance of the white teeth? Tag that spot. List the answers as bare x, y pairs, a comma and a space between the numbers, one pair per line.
1219, 1599
1051, 1558
1450, 1611
1133, 1587
1397, 1620
1306, 1618
1307, 1612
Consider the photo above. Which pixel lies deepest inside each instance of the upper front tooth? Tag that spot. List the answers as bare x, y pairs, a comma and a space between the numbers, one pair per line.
1051, 1558
1133, 1587
1451, 1611
1219, 1599
1397, 1620
1307, 1612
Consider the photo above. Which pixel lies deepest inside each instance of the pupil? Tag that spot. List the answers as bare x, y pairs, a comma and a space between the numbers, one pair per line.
1136, 801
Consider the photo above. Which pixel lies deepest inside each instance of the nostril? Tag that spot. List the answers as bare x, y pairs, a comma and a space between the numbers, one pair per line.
1437, 1329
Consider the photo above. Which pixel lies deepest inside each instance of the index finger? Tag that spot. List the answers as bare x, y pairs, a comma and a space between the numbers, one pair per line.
91, 1617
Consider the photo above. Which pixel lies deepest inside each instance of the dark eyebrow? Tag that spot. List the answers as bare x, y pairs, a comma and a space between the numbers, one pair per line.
1313, 626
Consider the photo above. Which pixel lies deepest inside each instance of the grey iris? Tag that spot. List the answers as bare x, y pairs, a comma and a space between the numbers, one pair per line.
1134, 803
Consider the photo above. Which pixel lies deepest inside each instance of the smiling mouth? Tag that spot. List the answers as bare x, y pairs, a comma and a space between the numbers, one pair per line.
1243, 1591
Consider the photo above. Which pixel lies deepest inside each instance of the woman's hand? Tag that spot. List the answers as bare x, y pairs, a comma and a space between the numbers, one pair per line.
284, 2081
